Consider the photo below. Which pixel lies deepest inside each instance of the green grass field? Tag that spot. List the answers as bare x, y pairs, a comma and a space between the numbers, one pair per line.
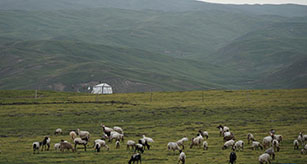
168, 117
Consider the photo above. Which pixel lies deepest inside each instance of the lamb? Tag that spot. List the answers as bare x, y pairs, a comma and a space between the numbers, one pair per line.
135, 158
204, 134
256, 145
144, 143
79, 141
107, 130
271, 152
45, 142
58, 131
275, 145
239, 145
57, 146
73, 135
250, 137
182, 157
232, 157
117, 144
223, 129
101, 143
181, 142
267, 141
205, 145
118, 129
131, 144
139, 148
264, 158
84, 135
196, 141
66, 145
296, 144
227, 144
36, 146
173, 146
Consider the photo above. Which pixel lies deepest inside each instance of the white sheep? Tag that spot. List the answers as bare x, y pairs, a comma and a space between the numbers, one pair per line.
278, 137
73, 135
266, 142
101, 143
84, 135
256, 145
264, 158
173, 146
196, 141
131, 144
57, 146
139, 148
79, 141
204, 134
275, 145
304, 150
250, 137
205, 145
118, 129
239, 145
58, 131
271, 152
117, 136
36, 146
107, 130
117, 144
148, 139
181, 142
296, 144
182, 157
227, 144
302, 138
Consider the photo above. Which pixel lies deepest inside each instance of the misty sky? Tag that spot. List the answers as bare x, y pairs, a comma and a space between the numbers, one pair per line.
303, 2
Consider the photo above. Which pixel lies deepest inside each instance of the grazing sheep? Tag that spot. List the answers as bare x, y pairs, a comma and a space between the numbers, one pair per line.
302, 138
117, 144
182, 157
266, 142
148, 139
227, 144
229, 136
116, 136
57, 146
239, 145
131, 144
205, 145
107, 130
58, 131
36, 146
264, 158
84, 135
118, 129
97, 147
250, 137
135, 158
196, 141
181, 142
66, 145
223, 129
275, 145
173, 146
73, 135
271, 152
139, 148
232, 157
256, 145
296, 144
278, 137
304, 150
79, 141
45, 143
204, 134
101, 143
144, 143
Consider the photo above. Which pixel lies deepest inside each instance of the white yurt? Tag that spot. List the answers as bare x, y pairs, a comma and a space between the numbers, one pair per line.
102, 88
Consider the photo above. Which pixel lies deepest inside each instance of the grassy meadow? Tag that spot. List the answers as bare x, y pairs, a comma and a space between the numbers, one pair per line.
164, 116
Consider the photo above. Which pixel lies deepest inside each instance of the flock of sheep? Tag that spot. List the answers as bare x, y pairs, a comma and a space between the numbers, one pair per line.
271, 143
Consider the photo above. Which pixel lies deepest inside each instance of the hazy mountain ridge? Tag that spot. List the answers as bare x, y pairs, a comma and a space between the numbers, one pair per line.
182, 45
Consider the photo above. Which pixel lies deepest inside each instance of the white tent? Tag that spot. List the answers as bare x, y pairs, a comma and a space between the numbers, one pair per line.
102, 88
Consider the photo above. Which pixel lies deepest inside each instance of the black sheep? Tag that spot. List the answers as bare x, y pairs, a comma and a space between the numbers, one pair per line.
232, 157
135, 158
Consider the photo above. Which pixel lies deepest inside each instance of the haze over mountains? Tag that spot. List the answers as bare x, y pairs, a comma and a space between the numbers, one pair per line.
142, 45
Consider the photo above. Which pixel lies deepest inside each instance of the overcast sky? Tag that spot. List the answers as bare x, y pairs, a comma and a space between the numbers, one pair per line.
302, 2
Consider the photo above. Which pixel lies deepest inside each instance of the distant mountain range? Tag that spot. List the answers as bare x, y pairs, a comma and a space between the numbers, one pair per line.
142, 45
